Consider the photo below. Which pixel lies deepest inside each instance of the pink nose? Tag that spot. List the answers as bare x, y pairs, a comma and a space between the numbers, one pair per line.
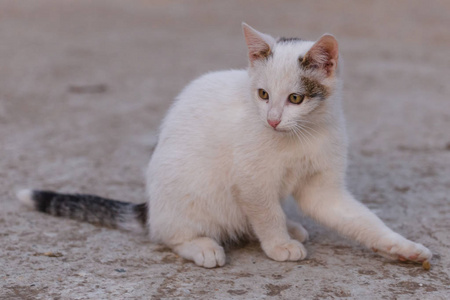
274, 123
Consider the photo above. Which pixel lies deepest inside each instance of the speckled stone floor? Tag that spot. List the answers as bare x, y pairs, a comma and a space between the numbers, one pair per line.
84, 85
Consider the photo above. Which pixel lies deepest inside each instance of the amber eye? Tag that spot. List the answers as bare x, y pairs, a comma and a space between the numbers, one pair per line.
263, 94
296, 98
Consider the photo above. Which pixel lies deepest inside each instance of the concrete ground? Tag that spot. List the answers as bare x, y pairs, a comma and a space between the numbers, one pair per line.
84, 85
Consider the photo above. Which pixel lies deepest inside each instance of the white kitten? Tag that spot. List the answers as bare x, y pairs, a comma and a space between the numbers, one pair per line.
233, 146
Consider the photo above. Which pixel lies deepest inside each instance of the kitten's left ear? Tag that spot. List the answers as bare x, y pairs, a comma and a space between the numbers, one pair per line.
259, 44
323, 55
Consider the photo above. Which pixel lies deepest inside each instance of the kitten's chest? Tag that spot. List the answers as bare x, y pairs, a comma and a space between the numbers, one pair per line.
295, 171
288, 166
277, 163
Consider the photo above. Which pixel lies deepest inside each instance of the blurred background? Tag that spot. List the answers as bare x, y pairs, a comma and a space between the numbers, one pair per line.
84, 86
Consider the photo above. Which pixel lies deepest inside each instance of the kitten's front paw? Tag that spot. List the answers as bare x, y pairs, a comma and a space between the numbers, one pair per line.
291, 250
397, 247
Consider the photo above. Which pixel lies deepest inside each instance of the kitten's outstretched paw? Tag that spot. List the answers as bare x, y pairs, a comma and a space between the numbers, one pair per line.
297, 231
205, 252
291, 250
398, 248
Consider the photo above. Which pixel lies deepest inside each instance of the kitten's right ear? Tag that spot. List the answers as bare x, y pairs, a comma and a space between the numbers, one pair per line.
259, 44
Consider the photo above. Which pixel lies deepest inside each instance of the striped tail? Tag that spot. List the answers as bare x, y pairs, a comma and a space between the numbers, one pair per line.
88, 208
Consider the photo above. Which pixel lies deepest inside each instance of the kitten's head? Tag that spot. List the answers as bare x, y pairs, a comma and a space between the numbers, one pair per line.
291, 79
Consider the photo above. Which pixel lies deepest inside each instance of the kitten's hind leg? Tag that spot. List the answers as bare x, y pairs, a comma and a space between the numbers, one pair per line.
204, 251
297, 231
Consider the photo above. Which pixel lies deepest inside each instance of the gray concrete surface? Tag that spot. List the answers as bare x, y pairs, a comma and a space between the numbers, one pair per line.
84, 85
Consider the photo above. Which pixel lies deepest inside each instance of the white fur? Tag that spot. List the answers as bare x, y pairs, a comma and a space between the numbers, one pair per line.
219, 170
26, 197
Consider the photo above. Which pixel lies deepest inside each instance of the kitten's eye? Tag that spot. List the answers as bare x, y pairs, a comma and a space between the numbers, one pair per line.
263, 94
296, 98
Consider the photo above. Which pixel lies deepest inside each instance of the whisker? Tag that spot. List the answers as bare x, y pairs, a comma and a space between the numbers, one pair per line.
300, 131
306, 131
311, 128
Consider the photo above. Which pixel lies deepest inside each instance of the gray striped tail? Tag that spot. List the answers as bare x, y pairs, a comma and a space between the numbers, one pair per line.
88, 208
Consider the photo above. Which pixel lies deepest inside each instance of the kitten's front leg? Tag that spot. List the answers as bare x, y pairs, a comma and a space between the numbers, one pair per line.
268, 221
329, 202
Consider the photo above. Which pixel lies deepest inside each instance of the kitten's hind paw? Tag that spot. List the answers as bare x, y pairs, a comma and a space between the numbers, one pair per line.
205, 252
291, 250
297, 231
210, 258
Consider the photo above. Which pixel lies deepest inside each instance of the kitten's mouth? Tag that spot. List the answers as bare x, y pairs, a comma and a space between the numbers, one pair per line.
283, 130
280, 130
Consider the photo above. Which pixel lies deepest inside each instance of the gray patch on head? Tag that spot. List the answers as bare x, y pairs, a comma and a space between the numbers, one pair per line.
288, 40
314, 89
307, 63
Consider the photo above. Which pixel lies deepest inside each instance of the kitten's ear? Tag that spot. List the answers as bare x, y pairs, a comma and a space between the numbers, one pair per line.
323, 55
259, 44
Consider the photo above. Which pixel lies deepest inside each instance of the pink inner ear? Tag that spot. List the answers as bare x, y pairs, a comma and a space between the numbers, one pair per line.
259, 44
323, 55
257, 49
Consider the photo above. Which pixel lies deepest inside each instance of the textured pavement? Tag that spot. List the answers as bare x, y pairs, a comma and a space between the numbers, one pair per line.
85, 84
